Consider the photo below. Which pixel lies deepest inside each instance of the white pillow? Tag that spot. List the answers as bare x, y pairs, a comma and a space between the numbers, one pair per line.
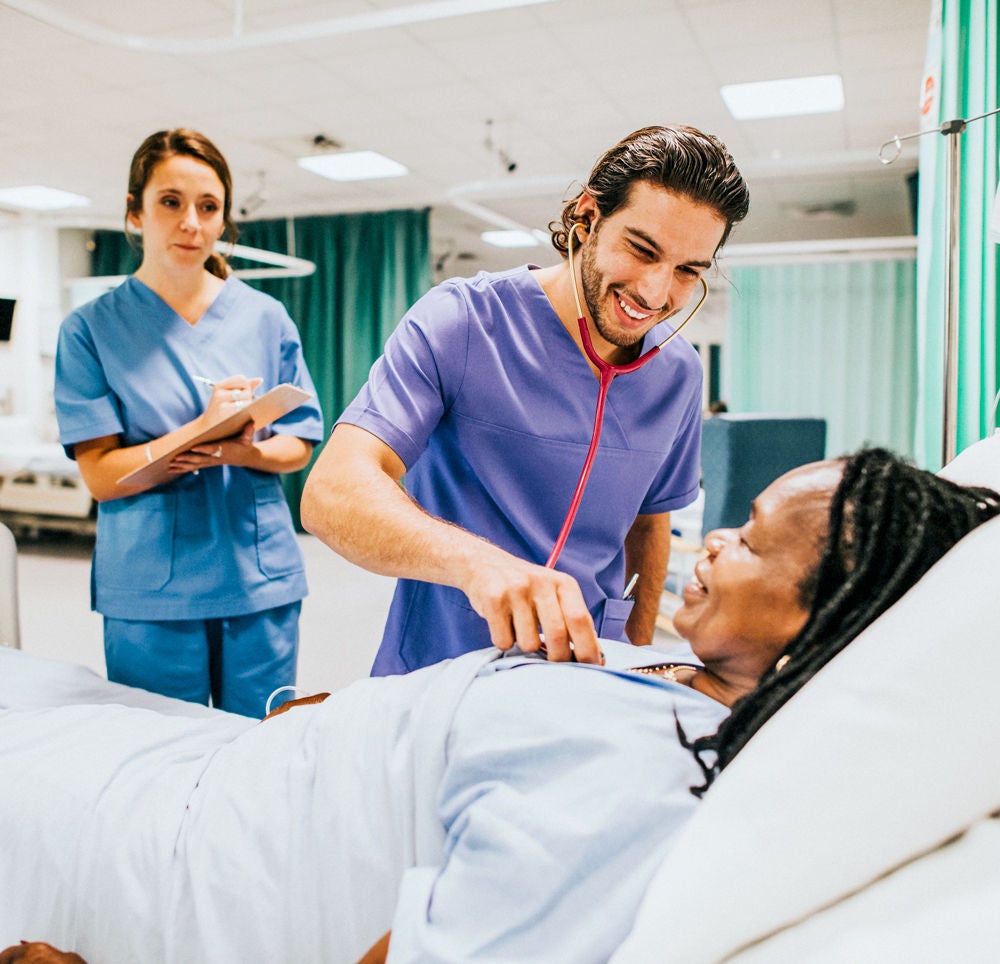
979, 464
889, 751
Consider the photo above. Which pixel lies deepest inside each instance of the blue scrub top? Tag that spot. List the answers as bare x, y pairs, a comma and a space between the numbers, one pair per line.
489, 402
215, 544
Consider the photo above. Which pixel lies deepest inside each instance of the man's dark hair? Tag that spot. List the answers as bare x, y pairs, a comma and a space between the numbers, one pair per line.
681, 159
889, 523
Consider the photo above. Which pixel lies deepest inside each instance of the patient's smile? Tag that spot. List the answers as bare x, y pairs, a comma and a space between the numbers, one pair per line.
696, 586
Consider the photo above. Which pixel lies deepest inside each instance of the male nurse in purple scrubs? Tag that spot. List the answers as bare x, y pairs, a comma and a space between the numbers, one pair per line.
483, 405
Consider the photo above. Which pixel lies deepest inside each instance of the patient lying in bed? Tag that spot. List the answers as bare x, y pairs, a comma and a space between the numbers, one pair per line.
487, 806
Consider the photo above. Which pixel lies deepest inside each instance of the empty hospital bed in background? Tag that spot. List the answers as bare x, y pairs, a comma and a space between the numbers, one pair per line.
40, 486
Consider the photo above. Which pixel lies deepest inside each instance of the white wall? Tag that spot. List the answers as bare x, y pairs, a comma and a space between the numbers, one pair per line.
34, 257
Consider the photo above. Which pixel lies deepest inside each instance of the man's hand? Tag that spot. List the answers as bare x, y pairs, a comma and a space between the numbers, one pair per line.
524, 603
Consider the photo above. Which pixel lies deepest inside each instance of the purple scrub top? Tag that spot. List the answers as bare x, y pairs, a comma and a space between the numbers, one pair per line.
487, 400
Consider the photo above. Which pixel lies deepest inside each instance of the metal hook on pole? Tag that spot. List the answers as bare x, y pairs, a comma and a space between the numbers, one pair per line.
952, 129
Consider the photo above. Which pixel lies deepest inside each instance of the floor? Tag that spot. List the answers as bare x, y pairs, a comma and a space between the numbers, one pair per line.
340, 627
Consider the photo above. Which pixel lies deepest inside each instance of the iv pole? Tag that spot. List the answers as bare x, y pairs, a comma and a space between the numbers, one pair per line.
951, 129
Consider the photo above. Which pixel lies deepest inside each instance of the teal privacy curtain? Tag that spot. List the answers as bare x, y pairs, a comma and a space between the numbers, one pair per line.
112, 255
961, 82
833, 340
369, 269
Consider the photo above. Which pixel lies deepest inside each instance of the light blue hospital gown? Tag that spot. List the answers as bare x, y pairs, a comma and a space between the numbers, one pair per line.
563, 792
220, 543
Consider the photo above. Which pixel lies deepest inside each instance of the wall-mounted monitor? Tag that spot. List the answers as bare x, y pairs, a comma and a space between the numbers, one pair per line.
6, 317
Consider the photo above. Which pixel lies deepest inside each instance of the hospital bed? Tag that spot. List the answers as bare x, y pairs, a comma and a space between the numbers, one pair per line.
859, 823
10, 620
40, 486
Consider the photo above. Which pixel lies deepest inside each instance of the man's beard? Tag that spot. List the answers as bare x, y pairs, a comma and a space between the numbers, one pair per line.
594, 292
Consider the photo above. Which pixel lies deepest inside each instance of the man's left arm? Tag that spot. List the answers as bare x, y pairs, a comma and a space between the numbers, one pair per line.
647, 552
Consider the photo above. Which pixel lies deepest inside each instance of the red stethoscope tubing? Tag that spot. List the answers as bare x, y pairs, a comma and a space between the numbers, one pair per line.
607, 373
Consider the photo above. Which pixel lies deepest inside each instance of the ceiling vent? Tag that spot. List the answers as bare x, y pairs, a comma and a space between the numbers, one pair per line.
823, 211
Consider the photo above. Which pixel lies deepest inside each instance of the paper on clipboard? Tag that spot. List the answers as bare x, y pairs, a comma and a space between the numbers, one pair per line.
270, 406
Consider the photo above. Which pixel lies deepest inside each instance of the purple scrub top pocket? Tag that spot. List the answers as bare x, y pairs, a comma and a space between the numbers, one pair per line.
610, 618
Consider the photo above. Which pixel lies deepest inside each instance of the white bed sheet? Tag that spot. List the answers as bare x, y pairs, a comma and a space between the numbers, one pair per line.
188, 880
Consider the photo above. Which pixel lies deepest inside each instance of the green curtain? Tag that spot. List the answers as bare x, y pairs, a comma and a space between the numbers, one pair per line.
111, 255
833, 340
370, 268
962, 65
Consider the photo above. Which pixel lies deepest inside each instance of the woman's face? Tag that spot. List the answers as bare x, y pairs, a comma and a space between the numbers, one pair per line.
181, 216
743, 605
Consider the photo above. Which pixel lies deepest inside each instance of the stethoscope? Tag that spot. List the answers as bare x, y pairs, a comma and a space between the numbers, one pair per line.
607, 373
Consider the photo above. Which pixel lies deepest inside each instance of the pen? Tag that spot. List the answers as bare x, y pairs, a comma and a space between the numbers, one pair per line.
209, 382
630, 587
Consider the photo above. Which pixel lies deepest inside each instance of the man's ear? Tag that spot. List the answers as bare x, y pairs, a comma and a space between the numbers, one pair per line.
586, 210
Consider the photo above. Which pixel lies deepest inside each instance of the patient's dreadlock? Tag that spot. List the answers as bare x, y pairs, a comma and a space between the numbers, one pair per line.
889, 523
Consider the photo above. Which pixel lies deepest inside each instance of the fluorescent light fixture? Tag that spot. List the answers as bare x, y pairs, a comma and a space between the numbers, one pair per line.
510, 239
784, 98
238, 39
38, 198
353, 166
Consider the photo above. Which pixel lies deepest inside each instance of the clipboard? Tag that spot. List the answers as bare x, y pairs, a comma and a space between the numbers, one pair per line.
270, 406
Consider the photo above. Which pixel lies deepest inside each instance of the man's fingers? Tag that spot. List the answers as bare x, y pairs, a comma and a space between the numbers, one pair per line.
501, 629
526, 628
580, 625
531, 603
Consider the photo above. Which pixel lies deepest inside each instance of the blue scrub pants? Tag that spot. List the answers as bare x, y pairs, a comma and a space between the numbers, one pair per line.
237, 661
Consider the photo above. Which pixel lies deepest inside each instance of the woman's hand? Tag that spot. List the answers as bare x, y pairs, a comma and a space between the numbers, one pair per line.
229, 397
228, 451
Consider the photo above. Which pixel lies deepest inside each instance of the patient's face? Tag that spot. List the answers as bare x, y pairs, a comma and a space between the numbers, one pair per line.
743, 605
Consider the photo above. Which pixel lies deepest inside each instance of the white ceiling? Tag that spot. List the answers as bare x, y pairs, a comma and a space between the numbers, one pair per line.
560, 81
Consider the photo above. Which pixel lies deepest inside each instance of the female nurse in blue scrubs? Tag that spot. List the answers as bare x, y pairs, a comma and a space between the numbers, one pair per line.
199, 579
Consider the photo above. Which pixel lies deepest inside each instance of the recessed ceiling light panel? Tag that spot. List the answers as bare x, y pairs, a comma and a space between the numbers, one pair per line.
353, 166
785, 98
510, 239
36, 197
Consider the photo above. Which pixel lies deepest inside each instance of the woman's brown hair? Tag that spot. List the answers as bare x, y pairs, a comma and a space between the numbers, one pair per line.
188, 143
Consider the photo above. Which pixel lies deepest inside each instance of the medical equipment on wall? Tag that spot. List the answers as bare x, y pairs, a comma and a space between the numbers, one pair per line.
607, 373
953, 180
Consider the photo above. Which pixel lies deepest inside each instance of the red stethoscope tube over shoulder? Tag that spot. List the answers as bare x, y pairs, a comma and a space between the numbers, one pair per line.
607, 373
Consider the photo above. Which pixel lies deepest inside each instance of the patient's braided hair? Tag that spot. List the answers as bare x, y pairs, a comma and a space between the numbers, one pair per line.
889, 523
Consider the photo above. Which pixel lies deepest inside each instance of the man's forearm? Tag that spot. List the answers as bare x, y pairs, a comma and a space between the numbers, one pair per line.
369, 519
647, 552
353, 502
